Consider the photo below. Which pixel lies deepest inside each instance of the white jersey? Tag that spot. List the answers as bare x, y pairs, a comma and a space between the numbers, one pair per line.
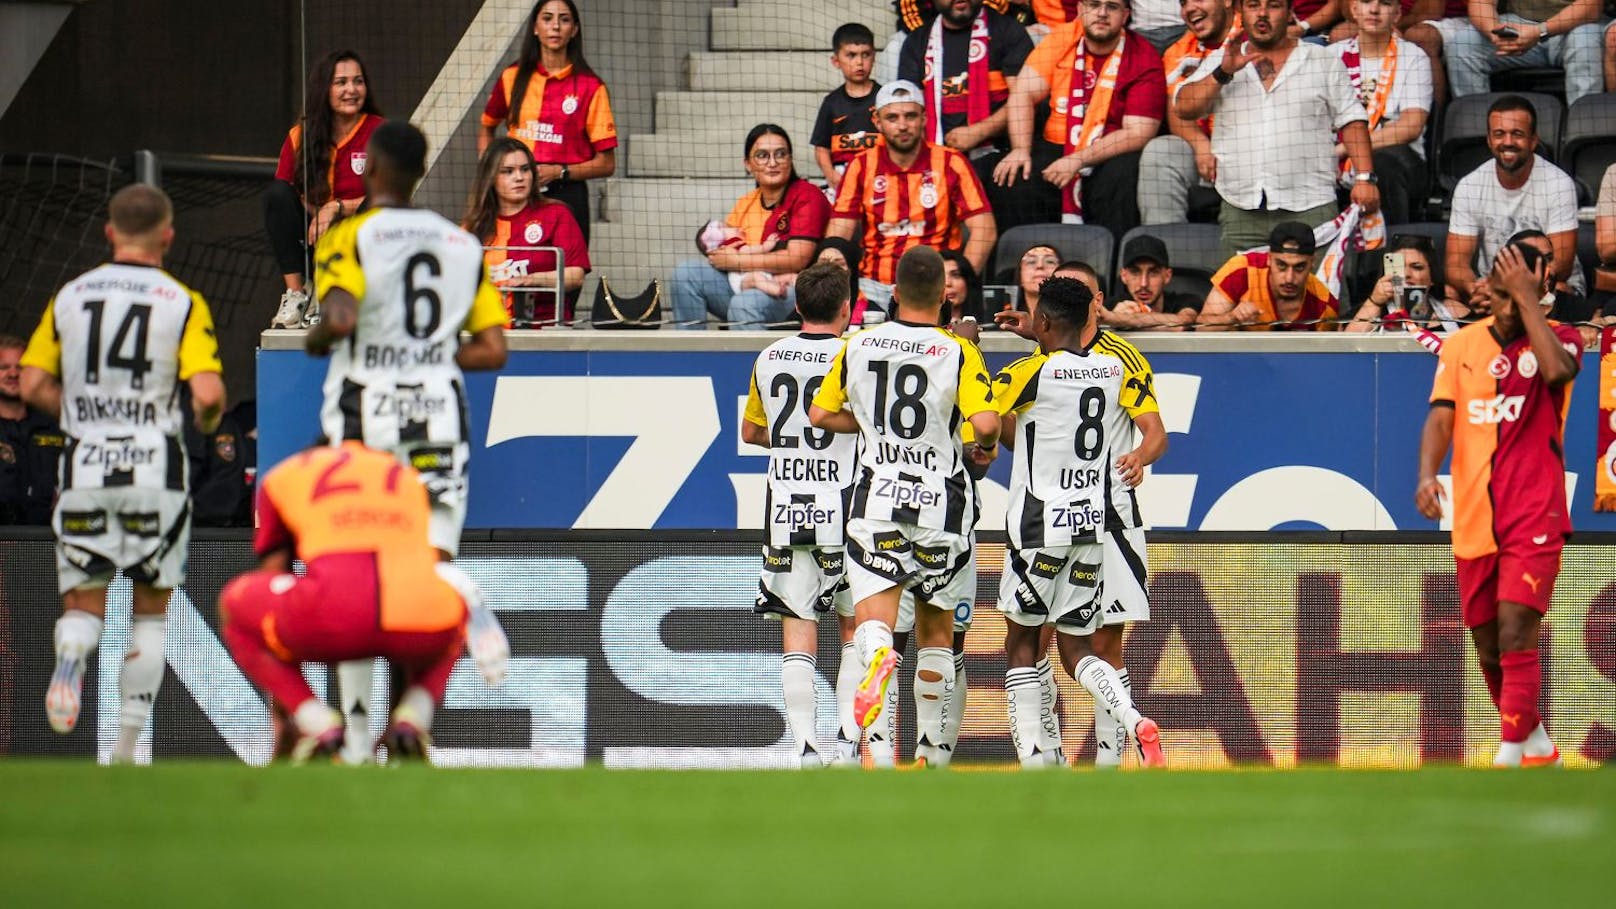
910, 387
810, 470
121, 338
419, 281
1138, 397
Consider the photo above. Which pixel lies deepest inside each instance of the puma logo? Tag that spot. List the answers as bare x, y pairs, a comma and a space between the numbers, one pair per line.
1513, 719
1531, 581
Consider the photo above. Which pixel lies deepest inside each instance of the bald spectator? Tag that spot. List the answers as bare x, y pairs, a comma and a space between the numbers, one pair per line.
1274, 290
1560, 33
1148, 306
1174, 163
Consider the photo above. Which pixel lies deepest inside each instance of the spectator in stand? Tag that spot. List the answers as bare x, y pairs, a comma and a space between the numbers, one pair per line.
1272, 290
30, 446
1560, 33
908, 193
319, 181
965, 61
506, 212
846, 122
554, 103
1605, 242
1149, 306
223, 467
1311, 20
1108, 97
781, 222
1392, 79
846, 255
1515, 191
1034, 267
1564, 304
1281, 106
1425, 23
914, 15
1172, 164
1420, 294
962, 290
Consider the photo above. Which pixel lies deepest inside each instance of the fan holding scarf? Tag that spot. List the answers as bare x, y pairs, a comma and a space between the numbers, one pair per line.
1392, 79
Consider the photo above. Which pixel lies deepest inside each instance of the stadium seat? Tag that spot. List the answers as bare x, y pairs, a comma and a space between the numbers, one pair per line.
1463, 145
1587, 251
1588, 147
1084, 242
1542, 80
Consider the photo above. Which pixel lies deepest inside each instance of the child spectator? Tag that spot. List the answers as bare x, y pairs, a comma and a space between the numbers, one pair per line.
846, 122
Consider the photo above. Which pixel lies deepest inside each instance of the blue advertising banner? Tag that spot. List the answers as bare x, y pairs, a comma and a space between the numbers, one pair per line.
586, 431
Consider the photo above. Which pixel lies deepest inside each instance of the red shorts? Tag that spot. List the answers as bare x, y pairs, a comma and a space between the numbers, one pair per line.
1516, 573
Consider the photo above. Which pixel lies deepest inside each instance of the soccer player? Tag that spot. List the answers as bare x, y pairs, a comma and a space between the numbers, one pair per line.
1063, 406
107, 357
396, 287
810, 477
1499, 399
359, 521
905, 386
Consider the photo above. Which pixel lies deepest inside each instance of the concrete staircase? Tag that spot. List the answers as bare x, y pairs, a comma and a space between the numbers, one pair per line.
767, 64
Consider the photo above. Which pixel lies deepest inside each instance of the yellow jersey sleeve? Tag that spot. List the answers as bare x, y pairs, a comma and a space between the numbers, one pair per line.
832, 394
199, 346
975, 386
44, 347
336, 260
487, 308
1138, 382
754, 403
1013, 388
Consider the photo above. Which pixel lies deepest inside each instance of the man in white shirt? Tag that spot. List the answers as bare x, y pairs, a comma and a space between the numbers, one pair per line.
1279, 106
1392, 79
1561, 33
1516, 191
1158, 22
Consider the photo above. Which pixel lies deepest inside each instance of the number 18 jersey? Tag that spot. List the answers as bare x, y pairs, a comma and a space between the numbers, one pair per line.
810, 470
419, 281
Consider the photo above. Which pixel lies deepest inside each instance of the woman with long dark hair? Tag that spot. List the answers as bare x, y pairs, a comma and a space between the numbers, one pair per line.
780, 223
322, 179
552, 102
507, 212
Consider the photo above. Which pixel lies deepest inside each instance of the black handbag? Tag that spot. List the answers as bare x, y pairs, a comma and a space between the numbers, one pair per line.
616, 312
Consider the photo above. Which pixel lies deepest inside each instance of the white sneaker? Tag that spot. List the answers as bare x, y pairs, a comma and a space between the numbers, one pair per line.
290, 314
311, 315
63, 697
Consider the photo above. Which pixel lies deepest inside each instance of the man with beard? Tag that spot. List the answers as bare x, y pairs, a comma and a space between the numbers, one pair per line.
1182, 159
909, 193
1280, 106
1517, 191
1107, 98
30, 445
1272, 290
1148, 305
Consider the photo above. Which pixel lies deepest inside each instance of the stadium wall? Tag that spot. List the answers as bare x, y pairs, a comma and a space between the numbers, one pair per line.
637, 650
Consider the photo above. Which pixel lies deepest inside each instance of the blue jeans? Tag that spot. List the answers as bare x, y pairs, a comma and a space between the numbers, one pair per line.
1472, 59
699, 289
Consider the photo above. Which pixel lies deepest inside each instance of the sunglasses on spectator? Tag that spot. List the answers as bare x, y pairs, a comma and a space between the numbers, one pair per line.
764, 155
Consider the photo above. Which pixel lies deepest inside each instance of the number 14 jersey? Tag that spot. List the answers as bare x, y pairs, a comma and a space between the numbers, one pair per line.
419, 281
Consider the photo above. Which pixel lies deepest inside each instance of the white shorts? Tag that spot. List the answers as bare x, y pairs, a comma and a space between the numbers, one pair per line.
937, 566
964, 610
801, 582
1124, 577
442, 466
146, 533
1057, 586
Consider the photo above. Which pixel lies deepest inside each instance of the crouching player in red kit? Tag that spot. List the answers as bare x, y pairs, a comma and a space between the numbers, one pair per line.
1500, 399
358, 520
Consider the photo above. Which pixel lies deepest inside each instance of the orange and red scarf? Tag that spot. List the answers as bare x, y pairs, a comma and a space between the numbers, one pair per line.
1086, 113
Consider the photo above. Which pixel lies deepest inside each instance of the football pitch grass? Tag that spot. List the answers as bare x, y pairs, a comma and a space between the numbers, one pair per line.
220, 834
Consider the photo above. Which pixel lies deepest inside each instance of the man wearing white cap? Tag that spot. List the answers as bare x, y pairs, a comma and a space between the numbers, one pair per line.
909, 193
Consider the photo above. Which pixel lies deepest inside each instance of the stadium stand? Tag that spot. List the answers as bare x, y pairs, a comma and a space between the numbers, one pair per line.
1197, 253
1463, 145
1589, 144
1084, 242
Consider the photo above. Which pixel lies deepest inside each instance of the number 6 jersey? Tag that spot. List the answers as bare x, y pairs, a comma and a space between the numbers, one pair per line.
419, 280
810, 470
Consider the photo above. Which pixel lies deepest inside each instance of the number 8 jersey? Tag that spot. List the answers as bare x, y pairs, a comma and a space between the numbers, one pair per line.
810, 470
419, 281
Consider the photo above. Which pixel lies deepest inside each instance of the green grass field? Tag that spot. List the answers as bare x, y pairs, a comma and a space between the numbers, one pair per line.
219, 834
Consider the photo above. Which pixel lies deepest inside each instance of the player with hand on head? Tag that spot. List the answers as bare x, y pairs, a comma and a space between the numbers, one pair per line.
810, 476
396, 286
113, 345
1063, 406
905, 387
1499, 400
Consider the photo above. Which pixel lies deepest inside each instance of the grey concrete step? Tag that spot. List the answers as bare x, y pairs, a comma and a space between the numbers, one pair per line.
652, 224
762, 71
766, 25
685, 112
716, 154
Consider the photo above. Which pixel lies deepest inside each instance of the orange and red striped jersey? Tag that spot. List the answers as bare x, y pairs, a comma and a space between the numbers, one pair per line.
564, 117
800, 214
345, 178
1244, 278
924, 204
1508, 437
338, 508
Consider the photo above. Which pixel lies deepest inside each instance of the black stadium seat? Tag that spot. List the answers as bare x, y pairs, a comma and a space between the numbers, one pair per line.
1588, 147
1196, 251
1463, 145
1084, 242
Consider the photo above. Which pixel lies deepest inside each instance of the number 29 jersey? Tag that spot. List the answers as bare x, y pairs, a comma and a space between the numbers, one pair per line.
810, 470
419, 280
910, 386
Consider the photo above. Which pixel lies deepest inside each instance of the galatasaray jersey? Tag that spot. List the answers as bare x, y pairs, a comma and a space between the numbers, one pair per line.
419, 281
910, 386
925, 204
565, 117
121, 338
1244, 279
810, 470
1508, 439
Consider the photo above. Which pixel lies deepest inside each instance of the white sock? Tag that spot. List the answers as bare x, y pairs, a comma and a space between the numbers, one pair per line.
1538, 744
1110, 739
1021, 692
138, 681
882, 735
1049, 731
1101, 680
954, 709
1509, 754
930, 700
77, 634
417, 705
848, 676
797, 685
354, 680
871, 636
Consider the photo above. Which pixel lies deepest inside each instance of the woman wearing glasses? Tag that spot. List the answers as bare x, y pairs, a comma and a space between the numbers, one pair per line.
780, 222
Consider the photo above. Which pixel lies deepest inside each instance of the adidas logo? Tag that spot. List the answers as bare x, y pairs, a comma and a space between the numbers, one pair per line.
1115, 608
